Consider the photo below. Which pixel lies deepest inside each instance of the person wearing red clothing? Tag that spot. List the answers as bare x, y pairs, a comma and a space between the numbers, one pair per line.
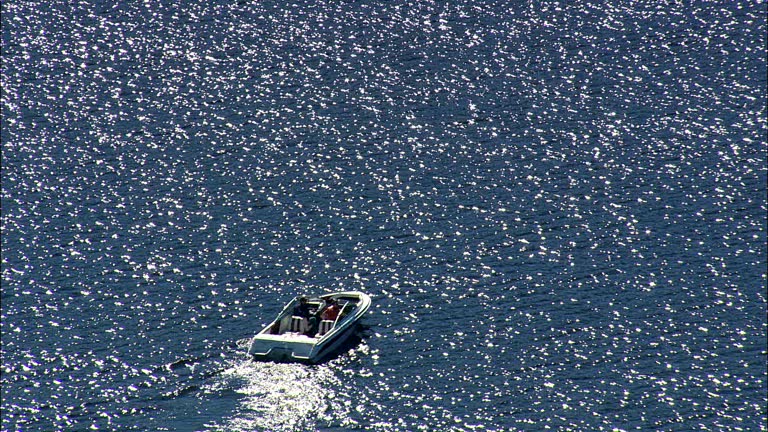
331, 311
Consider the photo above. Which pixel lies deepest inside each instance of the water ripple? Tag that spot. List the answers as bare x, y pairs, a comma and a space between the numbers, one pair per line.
558, 208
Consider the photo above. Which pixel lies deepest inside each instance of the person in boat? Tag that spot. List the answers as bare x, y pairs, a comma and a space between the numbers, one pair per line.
331, 312
302, 309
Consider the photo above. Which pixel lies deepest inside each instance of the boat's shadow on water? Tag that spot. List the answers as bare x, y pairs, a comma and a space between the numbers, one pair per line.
362, 332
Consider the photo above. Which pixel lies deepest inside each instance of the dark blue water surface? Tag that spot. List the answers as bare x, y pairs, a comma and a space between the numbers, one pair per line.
559, 209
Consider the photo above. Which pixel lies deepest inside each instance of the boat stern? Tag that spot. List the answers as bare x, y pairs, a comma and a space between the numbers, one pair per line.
281, 347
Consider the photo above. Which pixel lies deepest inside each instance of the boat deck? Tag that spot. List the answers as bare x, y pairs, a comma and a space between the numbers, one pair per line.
289, 337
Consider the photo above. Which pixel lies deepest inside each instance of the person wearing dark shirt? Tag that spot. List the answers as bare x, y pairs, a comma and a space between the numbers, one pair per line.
302, 309
330, 312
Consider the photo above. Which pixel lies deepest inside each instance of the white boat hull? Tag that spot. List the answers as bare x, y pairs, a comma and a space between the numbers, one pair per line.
288, 346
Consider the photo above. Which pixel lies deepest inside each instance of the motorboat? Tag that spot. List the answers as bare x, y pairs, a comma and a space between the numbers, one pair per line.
305, 334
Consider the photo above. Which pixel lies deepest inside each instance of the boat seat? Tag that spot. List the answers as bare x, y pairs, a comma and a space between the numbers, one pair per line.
325, 327
298, 324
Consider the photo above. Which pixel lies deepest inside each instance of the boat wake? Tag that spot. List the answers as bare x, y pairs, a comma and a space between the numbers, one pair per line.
262, 395
281, 397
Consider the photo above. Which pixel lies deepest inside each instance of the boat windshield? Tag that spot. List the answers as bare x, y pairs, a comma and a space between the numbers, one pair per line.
317, 304
314, 303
